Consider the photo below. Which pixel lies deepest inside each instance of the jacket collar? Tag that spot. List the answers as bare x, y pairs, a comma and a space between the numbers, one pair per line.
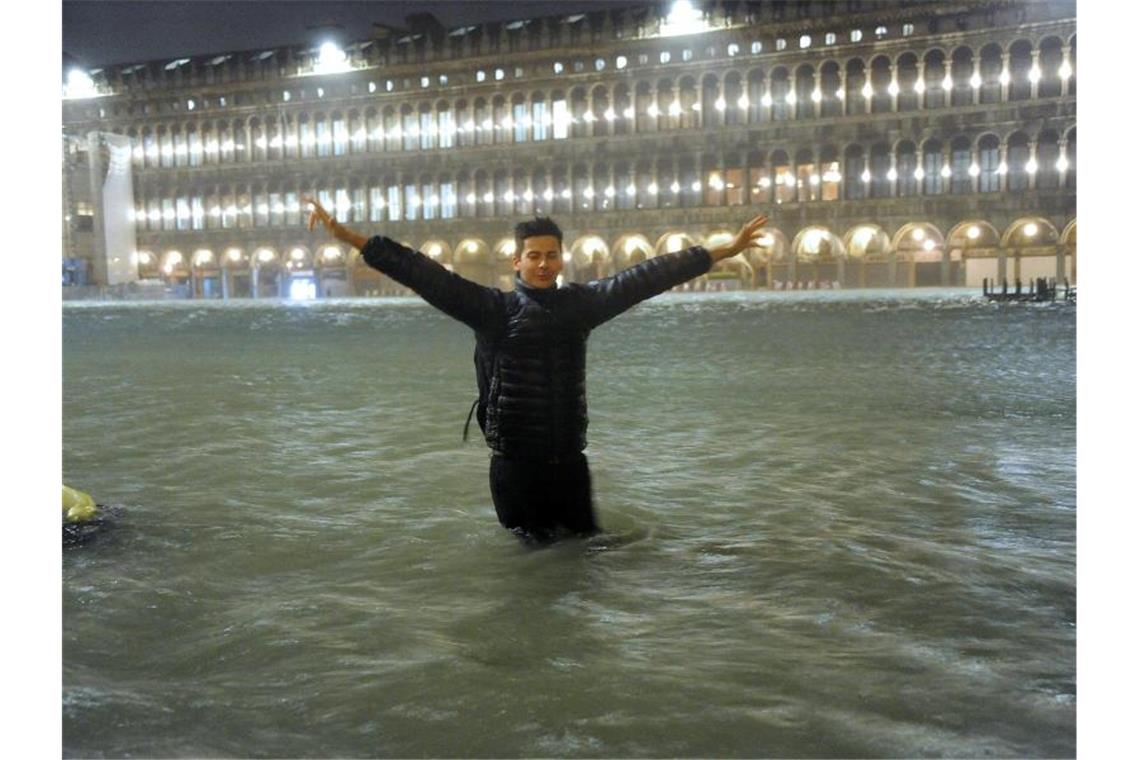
541, 295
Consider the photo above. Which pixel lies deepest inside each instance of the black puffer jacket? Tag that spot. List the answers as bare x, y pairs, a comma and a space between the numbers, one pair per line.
530, 344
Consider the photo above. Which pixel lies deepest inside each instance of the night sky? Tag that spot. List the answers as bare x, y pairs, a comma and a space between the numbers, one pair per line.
102, 32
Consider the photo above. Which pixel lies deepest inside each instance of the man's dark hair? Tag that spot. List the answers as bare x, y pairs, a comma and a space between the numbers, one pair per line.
540, 225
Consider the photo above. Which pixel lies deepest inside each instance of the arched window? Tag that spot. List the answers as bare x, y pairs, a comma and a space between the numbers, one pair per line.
783, 178
854, 96
906, 164
854, 165
830, 93
734, 113
759, 183
933, 78
932, 168
989, 158
780, 87
880, 85
1049, 64
710, 91
1020, 63
961, 73
961, 182
806, 189
1048, 152
1017, 157
805, 86
880, 171
906, 77
829, 176
991, 74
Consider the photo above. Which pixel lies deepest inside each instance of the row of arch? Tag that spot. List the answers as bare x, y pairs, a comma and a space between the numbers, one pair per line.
591, 254
964, 164
902, 82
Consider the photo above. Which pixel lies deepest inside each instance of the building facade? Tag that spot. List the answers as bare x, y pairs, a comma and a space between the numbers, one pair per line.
892, 144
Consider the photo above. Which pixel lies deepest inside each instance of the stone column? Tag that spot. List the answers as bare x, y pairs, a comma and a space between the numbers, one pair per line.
977, 97
920, 65
843, 89
1003, 179
894, 85
1033, 157
817, 106
1033, 85
1005, 71
1065, 80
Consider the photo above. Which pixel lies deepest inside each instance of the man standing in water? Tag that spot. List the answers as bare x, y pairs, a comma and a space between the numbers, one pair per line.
530, 359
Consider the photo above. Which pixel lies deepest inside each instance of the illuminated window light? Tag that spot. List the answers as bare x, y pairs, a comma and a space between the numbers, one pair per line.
79, 85
813, 180
331, 59
765, 182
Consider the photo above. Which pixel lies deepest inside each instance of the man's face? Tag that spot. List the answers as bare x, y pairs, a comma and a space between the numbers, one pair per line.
540, 261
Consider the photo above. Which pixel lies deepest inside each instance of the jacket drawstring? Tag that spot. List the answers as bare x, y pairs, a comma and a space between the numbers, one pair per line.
468, 423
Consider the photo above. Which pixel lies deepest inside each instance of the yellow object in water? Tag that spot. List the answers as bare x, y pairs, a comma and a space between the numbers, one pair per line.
78, 507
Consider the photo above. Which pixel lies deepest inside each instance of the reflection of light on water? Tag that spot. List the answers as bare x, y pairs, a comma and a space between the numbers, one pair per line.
302, 289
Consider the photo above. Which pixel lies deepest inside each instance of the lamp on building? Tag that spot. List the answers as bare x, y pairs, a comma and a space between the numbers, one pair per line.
972, 232
1030, 229
1065, 71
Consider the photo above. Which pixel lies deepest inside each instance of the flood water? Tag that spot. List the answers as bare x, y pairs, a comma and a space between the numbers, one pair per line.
846, 521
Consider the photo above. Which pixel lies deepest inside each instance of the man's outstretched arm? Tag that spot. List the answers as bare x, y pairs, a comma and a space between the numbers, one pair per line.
629, 287
470, 303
